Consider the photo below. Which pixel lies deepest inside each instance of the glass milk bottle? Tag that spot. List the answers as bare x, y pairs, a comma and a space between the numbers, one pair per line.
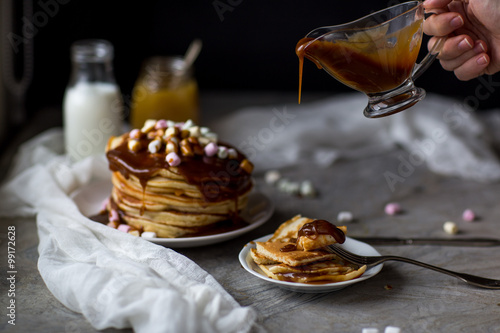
93, 105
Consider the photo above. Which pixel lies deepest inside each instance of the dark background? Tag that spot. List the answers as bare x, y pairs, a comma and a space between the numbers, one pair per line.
247, 45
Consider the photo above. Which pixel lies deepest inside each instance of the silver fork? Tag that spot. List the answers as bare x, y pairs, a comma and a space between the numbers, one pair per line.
373, 261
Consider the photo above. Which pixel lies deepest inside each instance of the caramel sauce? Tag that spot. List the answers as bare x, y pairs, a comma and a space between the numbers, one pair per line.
217, 179
312, 230
224, 226
370, 66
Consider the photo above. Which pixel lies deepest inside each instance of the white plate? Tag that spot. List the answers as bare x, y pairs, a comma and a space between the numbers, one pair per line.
89, 200
350, 245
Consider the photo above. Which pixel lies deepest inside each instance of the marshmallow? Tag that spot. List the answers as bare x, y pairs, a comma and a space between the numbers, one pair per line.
307, 189
134, 232
134, 145
194, 131
345, 216
148, 234
232, 153
210, 136
222, 152
188, 124
124, 227
369, 330
272, 176
171, 147
113, 216
392, 208
154, 146
211, 149
173, 159
135, 134
161, 124
468, 215
113, 224
450, 227
288, 186
171, 131
204, 130
148, 125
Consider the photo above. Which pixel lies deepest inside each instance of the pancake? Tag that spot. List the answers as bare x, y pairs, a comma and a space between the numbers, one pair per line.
177, 180
297, 253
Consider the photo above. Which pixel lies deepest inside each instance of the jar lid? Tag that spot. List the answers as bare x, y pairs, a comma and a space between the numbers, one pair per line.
92, 50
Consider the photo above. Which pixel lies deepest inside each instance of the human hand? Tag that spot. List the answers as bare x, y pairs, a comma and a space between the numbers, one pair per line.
473, 30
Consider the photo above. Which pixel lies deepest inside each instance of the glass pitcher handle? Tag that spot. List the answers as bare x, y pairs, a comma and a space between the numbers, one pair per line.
429, 58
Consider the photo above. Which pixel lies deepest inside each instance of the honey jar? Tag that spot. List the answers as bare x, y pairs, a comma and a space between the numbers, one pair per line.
165, 89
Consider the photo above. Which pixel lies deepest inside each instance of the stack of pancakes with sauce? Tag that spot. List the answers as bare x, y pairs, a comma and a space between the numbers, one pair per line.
176, 180
296, 253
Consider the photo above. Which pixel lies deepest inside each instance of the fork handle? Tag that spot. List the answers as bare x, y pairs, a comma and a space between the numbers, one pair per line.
467, 278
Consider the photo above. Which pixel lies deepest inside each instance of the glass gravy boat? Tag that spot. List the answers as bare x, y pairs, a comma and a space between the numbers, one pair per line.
376, 55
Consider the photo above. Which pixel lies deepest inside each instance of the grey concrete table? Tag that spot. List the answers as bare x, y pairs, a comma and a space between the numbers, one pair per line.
402, 295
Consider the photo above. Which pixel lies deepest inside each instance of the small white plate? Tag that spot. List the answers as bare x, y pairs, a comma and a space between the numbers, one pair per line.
259, 209
350, 245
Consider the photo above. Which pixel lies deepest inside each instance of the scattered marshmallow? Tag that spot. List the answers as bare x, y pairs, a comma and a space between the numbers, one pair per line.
173, 159
392, 208
272, 176
468, 215
369, 330
307, 189
392, 329
211, 149
345, 216
124, 227
148, 234
450, 227
288, 186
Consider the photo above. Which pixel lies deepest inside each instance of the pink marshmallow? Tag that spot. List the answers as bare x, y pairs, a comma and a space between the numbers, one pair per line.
124, 227
113, 216
113, 225
392, 208
173, 159
161, 124
135, 134
468, 215
211, 149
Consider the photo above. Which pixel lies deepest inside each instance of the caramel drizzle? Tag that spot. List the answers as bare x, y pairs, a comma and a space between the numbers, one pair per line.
312, 230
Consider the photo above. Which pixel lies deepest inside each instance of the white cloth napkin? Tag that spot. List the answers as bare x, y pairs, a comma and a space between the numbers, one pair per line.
112, 278
441, 132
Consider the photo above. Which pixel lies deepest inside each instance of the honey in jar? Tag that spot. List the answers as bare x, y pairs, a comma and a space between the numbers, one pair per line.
165, 89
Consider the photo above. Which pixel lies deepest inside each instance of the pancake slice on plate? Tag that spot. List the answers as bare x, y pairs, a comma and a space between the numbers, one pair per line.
297, 252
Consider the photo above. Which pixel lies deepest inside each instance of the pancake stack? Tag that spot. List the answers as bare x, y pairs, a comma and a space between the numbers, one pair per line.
176, 180
296, 253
